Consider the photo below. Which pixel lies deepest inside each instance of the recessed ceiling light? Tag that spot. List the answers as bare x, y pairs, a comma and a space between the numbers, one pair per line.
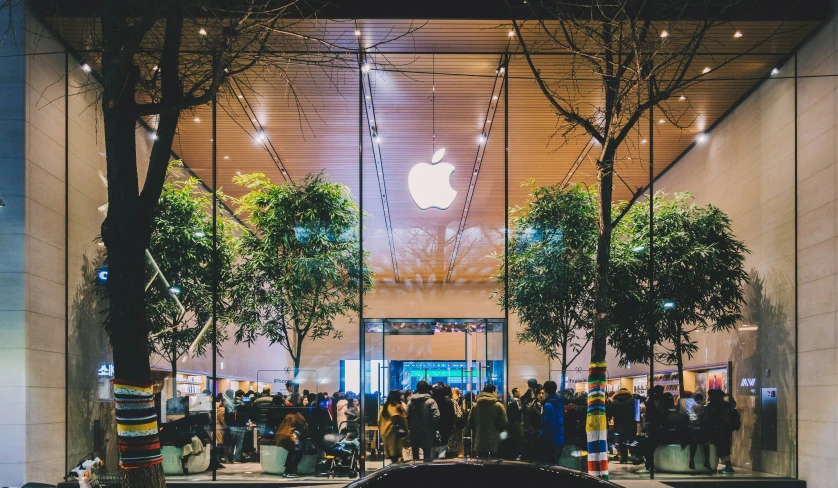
737, 34
702, 138
664, 34
154, 68
86, 68
357, 33
682, 98
227, 157
241, 96
511, 33
197, 119
494, 97
644, 141
661, 121
202, 31
775, 71
706, 70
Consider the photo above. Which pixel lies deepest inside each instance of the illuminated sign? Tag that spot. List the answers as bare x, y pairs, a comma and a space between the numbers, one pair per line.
105, 369
429, 183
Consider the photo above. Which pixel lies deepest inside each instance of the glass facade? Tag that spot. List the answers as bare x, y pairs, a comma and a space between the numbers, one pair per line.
435, 262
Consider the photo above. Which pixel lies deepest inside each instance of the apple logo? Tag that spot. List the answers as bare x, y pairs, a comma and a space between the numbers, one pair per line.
429, 185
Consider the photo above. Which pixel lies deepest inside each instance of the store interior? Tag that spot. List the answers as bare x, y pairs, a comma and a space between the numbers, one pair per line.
434, 312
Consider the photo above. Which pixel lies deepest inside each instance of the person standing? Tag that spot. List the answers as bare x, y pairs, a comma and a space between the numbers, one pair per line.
552, 424
719, 426
392, 426
621, 410
220, 431
695, 412
654, 427
236, 422
532, 426
532, 391
486, 421
422, 419
441, 395
515, 429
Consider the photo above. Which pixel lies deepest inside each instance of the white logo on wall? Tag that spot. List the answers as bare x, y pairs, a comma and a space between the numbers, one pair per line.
429, 183
748, 381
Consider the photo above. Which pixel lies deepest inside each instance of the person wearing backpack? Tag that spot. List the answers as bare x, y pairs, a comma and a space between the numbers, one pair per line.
422, 419
721, 419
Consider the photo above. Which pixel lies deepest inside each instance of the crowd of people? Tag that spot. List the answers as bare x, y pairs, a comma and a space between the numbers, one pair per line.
539, 424
438, 421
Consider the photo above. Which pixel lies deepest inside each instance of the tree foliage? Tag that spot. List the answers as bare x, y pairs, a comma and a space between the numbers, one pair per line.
300, 269
698, 279
178, 275
181, 246
551, 269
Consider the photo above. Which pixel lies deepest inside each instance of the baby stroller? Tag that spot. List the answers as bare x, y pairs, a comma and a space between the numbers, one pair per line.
342, 453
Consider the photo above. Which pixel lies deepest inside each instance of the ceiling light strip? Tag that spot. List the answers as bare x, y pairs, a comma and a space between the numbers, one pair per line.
260, 136
372, 123
576, 164
482, 144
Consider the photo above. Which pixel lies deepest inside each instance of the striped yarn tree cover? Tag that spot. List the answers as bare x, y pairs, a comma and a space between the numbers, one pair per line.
136, 425
596, 425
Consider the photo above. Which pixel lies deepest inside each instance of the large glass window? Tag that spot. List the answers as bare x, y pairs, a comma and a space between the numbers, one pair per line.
418, 144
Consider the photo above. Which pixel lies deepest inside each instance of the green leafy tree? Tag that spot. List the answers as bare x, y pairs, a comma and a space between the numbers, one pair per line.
699, 278
181, 250
552, 249
301, 268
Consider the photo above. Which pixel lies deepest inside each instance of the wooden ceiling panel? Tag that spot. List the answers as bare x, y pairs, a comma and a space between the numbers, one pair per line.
308, 111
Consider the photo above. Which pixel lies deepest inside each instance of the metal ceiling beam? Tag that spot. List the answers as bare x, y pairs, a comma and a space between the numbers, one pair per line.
500, 10
366, 68
483, 143
261, 137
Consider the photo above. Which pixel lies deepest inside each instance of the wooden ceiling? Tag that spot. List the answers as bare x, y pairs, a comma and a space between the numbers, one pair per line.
432, 83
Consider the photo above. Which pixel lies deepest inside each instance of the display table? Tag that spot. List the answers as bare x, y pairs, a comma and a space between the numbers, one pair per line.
272, 459
197, 463
672, 458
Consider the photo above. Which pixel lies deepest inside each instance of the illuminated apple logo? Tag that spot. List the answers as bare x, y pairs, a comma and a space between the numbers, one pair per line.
429, 185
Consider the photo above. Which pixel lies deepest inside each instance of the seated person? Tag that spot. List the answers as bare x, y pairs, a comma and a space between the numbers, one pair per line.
290, 436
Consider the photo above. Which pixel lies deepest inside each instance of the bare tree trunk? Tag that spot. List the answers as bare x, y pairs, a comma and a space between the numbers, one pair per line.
596, 425
174, 376
564, 365
679, 354
126, 232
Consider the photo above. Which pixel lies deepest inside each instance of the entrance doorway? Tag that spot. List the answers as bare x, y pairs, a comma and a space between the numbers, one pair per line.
467, 354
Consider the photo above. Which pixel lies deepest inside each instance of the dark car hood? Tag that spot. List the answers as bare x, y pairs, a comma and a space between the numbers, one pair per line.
438, 474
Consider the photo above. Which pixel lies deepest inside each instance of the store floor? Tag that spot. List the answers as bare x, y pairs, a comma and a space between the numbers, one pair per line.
253, 472
629, 472
619, 472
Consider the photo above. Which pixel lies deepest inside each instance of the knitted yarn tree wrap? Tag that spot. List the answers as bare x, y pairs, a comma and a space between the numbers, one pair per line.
596, 425
136, 425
